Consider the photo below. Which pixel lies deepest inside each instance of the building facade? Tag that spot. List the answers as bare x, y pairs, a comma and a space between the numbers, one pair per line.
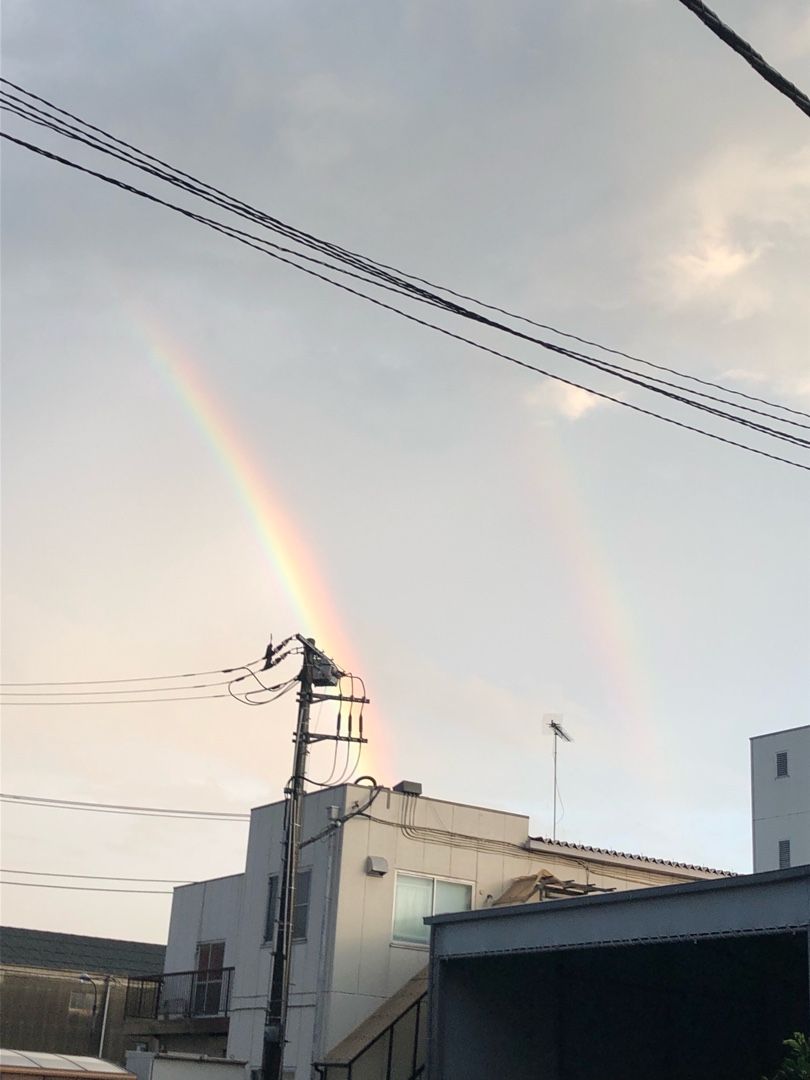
780, 799
65, 993
374, 864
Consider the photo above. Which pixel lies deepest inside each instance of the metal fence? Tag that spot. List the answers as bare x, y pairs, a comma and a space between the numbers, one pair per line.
399, 1052
180, 994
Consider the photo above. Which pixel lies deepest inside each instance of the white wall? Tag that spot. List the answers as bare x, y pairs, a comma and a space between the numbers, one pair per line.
780, 807
203, 911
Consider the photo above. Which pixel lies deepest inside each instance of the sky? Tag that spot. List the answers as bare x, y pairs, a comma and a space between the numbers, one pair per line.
202, 448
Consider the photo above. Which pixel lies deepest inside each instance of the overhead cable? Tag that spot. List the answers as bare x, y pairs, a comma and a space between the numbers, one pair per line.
749, 54
393, 281
193, 185
262, 246
118, 808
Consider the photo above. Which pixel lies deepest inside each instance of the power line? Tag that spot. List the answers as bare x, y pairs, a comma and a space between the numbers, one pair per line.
262, 246
749, 54
98, 877
119, 808
86, 888
118, 701
420, 295
381, 278
142, 678
188, 182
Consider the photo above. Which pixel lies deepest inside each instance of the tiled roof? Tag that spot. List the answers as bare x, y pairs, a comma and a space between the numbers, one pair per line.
628, 855
73, 952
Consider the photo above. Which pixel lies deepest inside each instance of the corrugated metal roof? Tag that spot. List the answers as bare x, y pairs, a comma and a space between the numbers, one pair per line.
73, 952
22, 1060
629, 855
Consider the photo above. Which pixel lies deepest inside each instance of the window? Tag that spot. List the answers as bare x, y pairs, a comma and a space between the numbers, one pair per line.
418, 897
784, 854
208, 980
300, 911
781, 764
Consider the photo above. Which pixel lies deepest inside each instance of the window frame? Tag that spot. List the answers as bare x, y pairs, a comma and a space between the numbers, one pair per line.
399, 942
273, 893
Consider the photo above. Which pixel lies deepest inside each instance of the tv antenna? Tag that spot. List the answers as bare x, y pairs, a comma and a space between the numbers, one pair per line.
554, 724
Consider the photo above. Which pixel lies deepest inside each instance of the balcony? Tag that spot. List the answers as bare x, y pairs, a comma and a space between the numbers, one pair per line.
179, 1001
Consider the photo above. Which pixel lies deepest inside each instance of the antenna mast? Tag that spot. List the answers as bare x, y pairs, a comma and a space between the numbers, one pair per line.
554, 722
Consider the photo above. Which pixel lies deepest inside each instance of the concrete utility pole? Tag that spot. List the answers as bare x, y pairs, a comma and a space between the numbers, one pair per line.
317, 670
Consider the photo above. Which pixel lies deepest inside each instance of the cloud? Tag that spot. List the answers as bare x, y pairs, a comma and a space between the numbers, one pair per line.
561, 400
724, 221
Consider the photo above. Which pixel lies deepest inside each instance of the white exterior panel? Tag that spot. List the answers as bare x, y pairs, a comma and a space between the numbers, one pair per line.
780, 805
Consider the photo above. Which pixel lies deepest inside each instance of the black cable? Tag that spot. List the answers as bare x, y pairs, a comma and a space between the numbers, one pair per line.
107, 693
87, 888
122, 808
403, 288
240, 237
141, 678
200, 188
749, 54
124, 701
99, 877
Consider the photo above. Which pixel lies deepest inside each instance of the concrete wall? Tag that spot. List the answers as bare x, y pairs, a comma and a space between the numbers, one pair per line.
780, 806
204, 911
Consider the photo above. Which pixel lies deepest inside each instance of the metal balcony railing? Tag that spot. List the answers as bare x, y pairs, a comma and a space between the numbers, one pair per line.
179, 994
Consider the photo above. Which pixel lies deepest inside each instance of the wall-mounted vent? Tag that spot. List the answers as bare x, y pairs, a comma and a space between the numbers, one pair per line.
784, 854
781, 764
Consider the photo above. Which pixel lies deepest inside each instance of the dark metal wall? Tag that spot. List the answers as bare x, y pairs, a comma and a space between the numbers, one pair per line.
690, 1010
36, 1014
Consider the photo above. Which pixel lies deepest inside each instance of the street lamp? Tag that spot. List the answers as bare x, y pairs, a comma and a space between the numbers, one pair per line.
85, 978
108, 981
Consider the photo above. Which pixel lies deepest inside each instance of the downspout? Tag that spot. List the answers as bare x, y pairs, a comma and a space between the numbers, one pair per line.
109, 981
326, 953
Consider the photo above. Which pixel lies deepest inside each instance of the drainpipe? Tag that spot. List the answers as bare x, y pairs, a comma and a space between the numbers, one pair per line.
324, 966
109, 980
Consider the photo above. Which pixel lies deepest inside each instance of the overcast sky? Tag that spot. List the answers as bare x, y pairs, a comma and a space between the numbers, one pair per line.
496, 547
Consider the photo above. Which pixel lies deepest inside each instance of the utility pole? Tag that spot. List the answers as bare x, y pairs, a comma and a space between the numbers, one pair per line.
317, 670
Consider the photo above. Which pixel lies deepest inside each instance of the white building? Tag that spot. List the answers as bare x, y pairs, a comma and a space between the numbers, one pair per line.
780, 799
365, 886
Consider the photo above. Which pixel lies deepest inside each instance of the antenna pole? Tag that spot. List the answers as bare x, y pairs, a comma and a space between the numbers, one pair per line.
554, 826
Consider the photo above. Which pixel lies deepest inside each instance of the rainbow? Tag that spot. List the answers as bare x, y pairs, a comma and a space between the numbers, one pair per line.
292, 560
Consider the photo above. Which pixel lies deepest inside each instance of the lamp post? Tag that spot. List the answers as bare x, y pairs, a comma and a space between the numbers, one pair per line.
108, 981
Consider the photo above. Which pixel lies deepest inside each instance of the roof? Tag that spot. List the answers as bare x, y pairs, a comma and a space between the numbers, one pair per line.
74, 952
629, 855
24, 1060
588, 913
784, 731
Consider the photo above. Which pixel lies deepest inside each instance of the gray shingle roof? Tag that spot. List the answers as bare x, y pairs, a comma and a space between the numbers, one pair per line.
73, 952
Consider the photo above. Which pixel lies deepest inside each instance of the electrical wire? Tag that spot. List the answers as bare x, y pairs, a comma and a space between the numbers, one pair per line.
140, 678
121, 808
749, 54
100, 877
604, 367
403, 288
120, 701
87, 888
220, 198
235, 234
